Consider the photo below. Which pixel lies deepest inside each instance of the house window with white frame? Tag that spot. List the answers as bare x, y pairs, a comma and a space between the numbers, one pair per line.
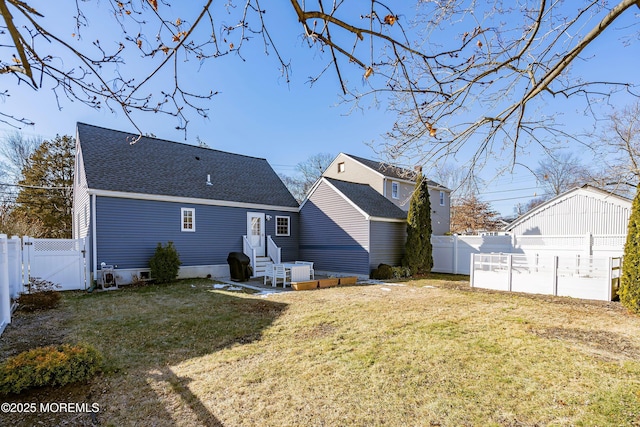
188, 217
283, 226
442, 198
395, 190
340, 167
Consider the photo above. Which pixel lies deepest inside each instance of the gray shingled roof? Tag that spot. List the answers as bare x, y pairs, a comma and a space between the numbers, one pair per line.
392, 171
368, 199
157, 166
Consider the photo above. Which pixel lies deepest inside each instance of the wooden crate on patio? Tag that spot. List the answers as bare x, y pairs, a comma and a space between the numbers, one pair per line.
327, 283
305, 286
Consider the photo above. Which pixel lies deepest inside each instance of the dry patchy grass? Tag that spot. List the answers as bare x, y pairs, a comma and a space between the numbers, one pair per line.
185, 354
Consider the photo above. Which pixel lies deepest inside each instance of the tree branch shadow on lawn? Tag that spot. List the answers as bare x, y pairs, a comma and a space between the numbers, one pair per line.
142, 334
179, 385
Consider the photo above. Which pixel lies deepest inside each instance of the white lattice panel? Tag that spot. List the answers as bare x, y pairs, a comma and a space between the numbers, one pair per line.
56, 245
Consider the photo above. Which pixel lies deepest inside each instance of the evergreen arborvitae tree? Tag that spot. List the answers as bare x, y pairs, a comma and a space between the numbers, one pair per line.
418, 251
630, 282
46, 187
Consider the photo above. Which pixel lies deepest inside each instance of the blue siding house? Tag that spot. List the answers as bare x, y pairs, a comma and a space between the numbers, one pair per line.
355, 217
347, 227
128, 198
394, 183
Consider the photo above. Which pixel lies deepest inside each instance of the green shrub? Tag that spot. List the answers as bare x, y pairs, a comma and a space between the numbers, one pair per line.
42, 295
401, 272
49, 366
630, 281
165, 263
383, 272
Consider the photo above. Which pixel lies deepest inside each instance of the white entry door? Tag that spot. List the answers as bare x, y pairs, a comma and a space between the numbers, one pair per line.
255, 231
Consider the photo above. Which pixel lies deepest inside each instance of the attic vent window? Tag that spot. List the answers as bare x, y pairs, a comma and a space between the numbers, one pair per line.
340, 167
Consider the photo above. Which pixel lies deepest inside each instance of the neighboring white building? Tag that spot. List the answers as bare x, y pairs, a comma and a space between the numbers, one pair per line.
578, 211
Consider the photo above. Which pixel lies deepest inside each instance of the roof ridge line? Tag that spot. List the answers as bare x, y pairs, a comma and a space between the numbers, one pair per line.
170, 141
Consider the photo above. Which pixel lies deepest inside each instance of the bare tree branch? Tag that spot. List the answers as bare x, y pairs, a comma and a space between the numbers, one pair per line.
455, 72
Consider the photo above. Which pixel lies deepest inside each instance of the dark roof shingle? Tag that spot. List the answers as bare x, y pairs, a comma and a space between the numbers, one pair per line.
157, 166
368, 199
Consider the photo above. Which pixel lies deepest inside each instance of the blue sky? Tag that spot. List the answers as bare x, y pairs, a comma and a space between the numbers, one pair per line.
257, 113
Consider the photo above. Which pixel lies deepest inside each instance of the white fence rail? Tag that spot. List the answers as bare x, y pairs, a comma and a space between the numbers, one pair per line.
274, 251
451, 253
249, 251
577, 276
60, 261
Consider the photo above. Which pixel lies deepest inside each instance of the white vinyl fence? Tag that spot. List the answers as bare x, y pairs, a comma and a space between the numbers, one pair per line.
587, 244
10, 276
451, 253
5, 297
588, 277
60, 261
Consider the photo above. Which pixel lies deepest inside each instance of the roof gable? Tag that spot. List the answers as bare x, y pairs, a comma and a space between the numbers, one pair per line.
368, 200
386, 169
161, 167
394, 172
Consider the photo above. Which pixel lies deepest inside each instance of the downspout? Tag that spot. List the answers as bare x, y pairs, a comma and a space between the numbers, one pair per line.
94, 243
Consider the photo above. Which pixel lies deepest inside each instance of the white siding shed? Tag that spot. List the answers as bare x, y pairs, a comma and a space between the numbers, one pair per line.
579, 211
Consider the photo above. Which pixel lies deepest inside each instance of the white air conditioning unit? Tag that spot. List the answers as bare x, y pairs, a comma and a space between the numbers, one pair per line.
108, 275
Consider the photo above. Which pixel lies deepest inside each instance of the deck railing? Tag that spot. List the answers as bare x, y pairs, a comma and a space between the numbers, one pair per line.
274, 251
249, 251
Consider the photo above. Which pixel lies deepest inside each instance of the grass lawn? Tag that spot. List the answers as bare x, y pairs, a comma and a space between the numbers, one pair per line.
428, 353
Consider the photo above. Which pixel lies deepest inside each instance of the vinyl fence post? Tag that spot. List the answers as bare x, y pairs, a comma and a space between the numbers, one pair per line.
589, 244
455, 254
87, 264
5, 298
27, 256
609, 278
510, 270
555, 275
473, 256
14, 246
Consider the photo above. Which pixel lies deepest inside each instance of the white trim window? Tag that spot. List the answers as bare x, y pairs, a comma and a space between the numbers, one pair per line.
442, 198
395, 189
187, 219
340, 167
283, 226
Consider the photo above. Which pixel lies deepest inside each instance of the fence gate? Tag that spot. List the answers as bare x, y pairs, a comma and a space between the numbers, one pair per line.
61, 261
